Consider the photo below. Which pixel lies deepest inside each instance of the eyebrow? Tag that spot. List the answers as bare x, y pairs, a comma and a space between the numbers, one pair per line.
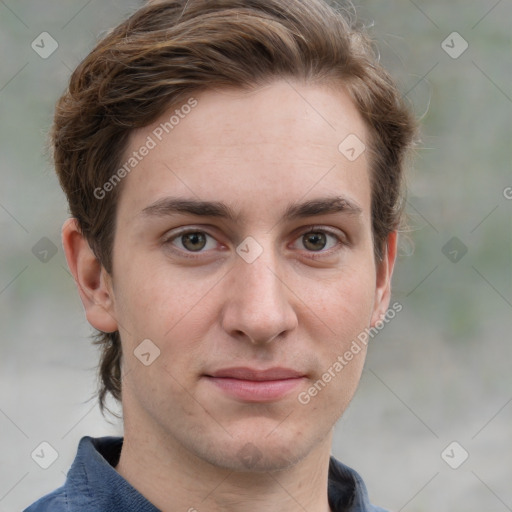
322, 206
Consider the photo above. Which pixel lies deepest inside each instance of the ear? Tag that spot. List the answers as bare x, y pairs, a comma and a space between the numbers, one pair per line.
384, 274
93, 282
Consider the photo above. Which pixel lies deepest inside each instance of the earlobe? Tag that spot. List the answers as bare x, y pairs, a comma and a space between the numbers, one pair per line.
93, 282
384, 274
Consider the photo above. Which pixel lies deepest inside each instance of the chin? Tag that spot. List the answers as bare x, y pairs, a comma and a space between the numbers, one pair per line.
252, 458
263, 451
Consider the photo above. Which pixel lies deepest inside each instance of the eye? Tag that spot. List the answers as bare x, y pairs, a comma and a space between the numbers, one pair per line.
192, 241
319, 240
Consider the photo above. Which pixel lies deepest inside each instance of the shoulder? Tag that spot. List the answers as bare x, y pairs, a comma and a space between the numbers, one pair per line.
347, 490
84, 479
56, 501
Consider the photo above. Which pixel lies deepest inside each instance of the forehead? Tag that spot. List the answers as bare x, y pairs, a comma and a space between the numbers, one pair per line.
254, 149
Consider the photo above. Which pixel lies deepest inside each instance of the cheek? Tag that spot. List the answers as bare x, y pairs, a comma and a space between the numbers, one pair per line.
342, 313
170, 309
152, 296
345, 303
156, 304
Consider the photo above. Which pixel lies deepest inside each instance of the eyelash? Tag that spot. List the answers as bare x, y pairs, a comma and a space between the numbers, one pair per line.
340, 242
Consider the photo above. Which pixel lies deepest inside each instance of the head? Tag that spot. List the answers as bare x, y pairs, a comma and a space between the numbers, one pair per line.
235, 119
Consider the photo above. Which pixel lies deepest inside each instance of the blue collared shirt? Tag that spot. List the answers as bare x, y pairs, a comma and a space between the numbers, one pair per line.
93, 485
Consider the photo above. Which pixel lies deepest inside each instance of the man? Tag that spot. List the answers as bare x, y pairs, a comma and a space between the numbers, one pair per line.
233, 170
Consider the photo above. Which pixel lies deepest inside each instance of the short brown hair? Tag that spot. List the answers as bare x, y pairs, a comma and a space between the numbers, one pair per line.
168, 50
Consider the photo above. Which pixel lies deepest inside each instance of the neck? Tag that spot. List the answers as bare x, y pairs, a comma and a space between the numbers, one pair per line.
172, 478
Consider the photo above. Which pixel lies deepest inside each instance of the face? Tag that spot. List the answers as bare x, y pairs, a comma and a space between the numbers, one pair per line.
243, 252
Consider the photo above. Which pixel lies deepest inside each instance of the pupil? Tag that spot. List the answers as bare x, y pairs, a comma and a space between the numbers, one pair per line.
194, 241
313, 240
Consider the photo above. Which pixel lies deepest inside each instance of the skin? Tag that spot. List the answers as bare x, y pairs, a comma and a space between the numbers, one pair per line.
299, 305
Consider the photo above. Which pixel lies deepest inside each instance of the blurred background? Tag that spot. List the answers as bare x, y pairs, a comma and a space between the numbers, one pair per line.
430, 427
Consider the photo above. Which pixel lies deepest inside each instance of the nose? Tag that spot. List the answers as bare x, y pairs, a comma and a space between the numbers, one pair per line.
258, 307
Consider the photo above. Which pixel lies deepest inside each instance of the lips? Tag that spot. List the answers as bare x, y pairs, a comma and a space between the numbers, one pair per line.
257, 375
253, 385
